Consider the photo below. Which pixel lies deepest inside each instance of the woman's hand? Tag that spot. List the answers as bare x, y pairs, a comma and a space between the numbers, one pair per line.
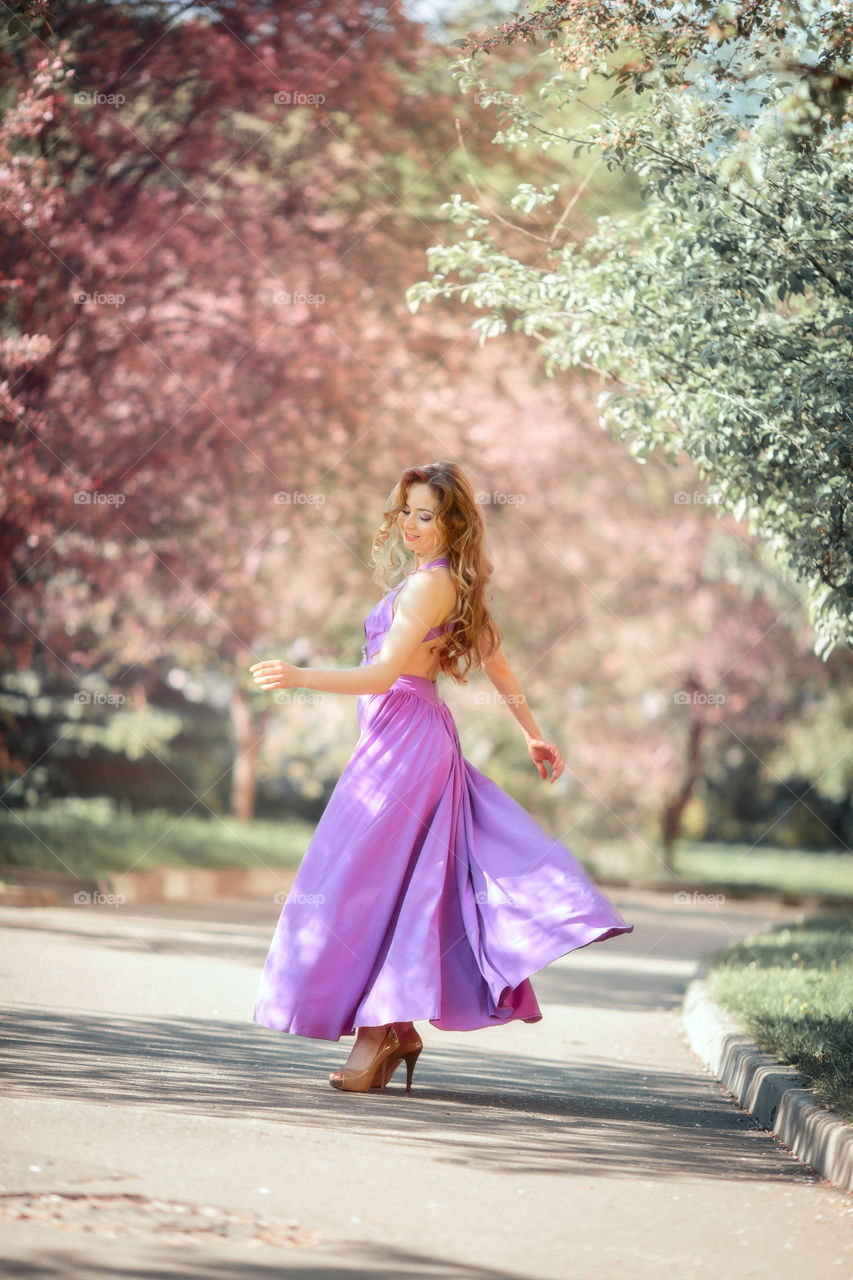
276, 675
540, 752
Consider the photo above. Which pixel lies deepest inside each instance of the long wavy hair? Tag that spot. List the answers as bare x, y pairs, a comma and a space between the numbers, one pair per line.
476, 637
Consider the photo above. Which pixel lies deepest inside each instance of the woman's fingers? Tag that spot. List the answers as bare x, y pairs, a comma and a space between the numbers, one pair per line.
546, 751
556, 761
267, 670
267, 675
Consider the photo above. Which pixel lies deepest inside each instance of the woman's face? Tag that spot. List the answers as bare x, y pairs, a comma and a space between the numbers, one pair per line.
417, 522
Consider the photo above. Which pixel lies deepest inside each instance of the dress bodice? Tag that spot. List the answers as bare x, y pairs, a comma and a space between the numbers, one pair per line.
377, 624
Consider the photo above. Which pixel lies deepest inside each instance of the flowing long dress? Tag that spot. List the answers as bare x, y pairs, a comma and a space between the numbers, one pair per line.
426, 892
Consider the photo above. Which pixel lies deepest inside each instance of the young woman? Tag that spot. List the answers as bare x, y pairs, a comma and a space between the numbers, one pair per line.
426, 893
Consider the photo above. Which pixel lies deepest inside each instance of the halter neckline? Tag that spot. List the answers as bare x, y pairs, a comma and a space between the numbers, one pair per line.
400, 585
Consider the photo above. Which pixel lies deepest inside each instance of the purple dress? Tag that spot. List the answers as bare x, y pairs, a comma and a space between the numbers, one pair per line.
426, 893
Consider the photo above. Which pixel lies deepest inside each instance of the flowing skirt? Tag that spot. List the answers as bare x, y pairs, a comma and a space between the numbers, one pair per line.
426, 893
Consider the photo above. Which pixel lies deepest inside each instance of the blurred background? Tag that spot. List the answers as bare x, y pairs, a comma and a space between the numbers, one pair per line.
211, 382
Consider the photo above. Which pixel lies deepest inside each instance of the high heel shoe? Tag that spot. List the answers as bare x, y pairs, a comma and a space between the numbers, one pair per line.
409, 1050
376, 1072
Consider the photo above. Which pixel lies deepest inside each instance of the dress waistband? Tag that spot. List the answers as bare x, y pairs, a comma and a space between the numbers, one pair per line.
420, 685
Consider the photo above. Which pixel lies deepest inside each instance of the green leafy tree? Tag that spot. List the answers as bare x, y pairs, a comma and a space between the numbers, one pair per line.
720, 313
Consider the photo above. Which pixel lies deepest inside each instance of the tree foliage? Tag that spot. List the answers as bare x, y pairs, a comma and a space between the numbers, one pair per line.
179, 413
195, 335
804, 44
721, 314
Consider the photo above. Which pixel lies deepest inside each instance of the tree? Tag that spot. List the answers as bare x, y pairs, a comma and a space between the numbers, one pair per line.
200, 397
196, 333
30, 207
720, 313
802, 44
195, 327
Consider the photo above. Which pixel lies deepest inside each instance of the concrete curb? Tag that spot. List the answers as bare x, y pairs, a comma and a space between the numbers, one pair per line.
34, 887
775, 1094
39, 887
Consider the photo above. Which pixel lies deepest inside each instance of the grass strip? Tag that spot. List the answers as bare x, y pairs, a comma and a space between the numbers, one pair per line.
791, 987
92, 837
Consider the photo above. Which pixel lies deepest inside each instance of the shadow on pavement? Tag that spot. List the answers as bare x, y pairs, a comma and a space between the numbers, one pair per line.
507, 1115
368, 1261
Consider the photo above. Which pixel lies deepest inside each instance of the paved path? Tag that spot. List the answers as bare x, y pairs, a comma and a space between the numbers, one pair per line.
179, 1139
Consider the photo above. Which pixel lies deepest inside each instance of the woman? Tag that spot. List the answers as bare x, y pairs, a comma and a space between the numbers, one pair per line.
426, 891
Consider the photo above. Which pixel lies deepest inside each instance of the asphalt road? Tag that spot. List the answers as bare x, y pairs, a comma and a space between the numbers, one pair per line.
150, 1128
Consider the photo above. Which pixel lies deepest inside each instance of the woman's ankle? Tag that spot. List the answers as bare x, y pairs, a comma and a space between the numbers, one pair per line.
372, 1033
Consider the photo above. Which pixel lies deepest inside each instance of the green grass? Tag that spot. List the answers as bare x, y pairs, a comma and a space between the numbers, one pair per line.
90, 837
738, 868
95, 836
786, 870
792, 989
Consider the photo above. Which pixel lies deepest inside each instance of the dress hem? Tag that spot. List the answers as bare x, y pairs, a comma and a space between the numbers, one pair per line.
435, 1019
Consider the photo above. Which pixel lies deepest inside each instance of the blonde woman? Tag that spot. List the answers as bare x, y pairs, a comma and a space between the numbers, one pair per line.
427, 893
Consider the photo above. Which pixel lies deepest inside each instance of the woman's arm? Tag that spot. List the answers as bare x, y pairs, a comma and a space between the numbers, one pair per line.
274, 674
422, 601
501, 675
541, 751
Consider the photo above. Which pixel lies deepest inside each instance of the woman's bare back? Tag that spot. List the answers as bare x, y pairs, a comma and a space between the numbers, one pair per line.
422, 661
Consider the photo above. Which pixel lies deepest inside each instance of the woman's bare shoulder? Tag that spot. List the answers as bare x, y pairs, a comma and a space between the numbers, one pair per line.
428, 589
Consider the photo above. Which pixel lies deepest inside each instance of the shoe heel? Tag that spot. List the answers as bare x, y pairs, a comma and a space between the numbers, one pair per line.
411, 1059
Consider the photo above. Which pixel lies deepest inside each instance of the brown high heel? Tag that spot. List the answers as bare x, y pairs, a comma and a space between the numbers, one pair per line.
409, 1049
376, 1072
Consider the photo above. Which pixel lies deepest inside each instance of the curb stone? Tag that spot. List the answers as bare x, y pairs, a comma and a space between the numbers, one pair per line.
39, 887
34, 887
773, 1093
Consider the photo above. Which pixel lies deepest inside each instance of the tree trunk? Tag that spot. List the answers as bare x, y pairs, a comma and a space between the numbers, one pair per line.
675, 808
247, 741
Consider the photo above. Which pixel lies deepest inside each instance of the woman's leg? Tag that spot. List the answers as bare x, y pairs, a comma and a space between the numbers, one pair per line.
368, 1040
